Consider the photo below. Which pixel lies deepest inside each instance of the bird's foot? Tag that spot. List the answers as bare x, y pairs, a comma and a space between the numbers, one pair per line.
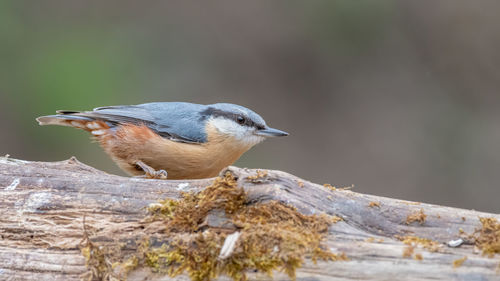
150, 172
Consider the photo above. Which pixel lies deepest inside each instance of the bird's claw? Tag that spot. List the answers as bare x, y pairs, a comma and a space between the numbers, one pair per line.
151, 173
157, 174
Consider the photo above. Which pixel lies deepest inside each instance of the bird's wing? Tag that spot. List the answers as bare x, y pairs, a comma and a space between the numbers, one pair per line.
172, 120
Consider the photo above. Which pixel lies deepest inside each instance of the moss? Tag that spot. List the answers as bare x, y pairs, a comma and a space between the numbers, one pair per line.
373, 240
414, 241
163, 208
409, 203
258, 177
459, 262
188, 213
428, 244
488, 237
98, 259
273, 236
418, 216
94, 261
330, 187
197, 255
408, 251
333, 188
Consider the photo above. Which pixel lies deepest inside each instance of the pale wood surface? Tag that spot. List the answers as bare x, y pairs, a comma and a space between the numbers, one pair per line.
42, 206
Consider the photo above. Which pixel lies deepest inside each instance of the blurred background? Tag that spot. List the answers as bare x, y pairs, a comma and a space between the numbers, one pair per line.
398, 98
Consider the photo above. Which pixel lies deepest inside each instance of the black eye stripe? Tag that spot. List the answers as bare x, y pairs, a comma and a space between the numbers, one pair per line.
229, 115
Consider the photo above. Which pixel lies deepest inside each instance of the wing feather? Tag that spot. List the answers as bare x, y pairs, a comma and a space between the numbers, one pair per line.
175, 121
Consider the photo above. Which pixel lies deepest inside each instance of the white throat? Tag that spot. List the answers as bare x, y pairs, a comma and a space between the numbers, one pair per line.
243, 134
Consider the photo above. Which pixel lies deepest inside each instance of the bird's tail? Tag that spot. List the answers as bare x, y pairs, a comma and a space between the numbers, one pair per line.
76, 120
64, 118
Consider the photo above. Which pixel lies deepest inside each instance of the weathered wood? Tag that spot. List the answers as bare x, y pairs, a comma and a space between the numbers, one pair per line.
42, 206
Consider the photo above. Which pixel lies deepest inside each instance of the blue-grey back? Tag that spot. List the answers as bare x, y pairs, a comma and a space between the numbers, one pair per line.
176, 120
179, 121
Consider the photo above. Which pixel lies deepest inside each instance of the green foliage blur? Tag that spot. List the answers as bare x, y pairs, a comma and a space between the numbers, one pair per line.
398, 98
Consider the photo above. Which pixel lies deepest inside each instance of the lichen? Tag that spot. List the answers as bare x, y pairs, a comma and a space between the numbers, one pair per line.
273, 236
373, 204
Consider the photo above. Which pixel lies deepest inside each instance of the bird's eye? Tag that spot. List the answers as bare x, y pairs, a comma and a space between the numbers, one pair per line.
241, 120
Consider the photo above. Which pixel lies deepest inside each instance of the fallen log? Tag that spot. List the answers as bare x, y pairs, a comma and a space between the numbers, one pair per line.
48, 209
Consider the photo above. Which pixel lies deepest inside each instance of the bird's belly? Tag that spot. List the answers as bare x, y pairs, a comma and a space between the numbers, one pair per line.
186, 170
187, 164
179, 160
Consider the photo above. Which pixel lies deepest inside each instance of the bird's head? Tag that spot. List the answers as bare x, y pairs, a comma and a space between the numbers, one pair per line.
239, 122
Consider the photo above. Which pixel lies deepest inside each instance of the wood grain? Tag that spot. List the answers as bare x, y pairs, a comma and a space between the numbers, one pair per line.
42, 206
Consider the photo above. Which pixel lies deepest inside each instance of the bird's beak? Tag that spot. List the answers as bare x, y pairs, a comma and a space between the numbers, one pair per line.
270, 132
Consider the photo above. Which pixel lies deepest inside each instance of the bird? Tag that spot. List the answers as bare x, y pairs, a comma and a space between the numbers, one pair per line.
170, 140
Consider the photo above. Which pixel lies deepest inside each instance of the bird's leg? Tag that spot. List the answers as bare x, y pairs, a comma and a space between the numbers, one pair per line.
151, 173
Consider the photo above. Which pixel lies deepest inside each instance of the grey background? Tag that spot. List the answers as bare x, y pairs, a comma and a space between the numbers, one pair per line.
398, 98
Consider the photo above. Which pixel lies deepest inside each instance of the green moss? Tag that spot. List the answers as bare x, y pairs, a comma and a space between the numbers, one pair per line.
163, 208
273, 236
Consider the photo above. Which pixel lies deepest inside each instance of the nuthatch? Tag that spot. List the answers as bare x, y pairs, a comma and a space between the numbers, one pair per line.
185, 140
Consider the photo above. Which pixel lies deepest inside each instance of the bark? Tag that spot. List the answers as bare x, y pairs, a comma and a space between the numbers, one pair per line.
42, 207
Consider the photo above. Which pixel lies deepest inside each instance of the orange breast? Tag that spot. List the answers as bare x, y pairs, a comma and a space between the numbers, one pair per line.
181, 160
